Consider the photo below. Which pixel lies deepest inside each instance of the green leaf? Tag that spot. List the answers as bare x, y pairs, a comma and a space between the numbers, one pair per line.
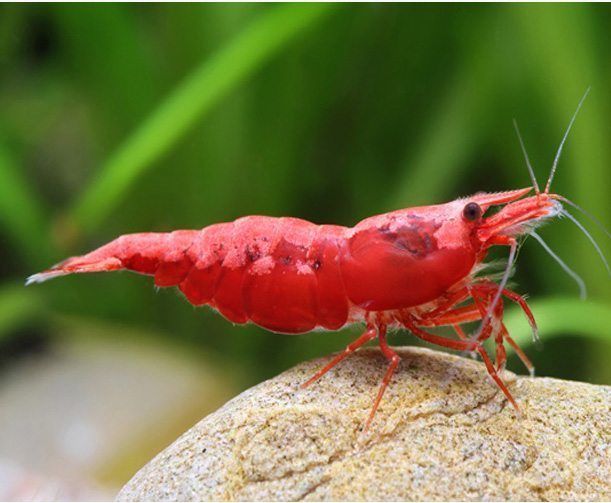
561, 315
192, 99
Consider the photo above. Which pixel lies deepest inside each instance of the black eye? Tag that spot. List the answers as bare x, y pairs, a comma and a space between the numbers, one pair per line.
472, 212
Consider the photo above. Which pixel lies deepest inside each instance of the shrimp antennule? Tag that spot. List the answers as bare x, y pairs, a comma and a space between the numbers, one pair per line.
528, 165
566, 133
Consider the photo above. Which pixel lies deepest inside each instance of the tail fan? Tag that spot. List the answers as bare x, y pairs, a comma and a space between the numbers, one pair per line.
85, 263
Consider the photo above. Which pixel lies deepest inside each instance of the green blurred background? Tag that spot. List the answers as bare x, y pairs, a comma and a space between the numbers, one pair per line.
127, 118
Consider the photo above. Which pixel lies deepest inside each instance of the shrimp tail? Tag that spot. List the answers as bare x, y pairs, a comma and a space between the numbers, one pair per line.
144, 253
102, 259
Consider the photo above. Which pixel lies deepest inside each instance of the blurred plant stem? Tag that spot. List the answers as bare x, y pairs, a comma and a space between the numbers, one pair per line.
21, 213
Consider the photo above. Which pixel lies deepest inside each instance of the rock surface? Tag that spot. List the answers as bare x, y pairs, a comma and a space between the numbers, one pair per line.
443, 432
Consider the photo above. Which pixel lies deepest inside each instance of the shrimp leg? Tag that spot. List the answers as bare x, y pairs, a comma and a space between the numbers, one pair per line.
518, 299
394, 362
504, 335
487, 286
463, 314
387, 351
527, 363
465, 346
462, 345
369, 334
473, 313
483, 305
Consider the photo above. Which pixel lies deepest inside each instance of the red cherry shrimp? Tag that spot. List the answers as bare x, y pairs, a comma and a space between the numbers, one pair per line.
414, 268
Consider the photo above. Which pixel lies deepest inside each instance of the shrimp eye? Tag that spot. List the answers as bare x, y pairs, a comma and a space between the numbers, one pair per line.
472, 212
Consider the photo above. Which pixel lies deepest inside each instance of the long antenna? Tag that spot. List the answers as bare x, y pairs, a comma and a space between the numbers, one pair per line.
557, 158
584, 230
567, 269
587, 214
530, 168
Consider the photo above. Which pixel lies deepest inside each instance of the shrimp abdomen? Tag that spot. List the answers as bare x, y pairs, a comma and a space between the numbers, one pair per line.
281, 273
272, 276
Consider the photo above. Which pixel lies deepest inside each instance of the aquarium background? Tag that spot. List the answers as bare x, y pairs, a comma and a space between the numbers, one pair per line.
121, 118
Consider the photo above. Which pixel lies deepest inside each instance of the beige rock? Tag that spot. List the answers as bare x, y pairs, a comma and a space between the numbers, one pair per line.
443, 432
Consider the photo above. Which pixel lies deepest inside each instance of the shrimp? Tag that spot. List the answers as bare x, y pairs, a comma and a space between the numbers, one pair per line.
414, 268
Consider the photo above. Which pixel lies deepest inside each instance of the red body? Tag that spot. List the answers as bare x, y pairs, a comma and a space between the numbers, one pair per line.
291, 276
410, 268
